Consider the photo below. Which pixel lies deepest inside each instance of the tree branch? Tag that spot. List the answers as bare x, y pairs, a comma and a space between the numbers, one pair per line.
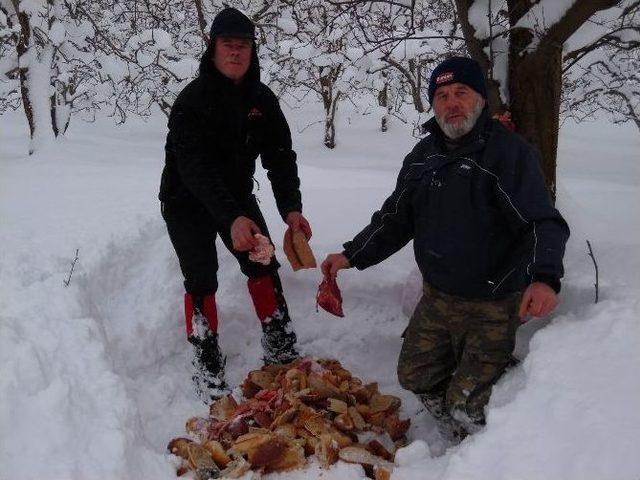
572, 20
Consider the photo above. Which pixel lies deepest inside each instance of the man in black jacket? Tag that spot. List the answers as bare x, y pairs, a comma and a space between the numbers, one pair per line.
218, 126
487, 240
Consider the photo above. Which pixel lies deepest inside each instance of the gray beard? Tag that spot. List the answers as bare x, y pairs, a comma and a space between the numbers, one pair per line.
454, 131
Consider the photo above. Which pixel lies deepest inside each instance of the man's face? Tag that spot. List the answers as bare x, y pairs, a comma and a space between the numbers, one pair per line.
232, 57
457, 108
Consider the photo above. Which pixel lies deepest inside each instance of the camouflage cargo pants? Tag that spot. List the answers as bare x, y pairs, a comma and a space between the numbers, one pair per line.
454, 350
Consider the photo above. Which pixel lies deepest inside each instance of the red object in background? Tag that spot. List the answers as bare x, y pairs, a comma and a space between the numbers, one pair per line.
505, 119
329, 297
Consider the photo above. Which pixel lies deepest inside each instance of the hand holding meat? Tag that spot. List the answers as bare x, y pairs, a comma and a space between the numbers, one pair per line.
263, 251
243, 231
333, 263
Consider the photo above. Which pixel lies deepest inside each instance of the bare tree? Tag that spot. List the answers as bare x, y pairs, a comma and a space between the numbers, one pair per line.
313, 55
604, 76
405, 44
35, 53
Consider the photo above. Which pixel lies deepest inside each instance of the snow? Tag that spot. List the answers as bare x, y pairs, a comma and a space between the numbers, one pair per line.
481, 14
545, 14
94, 377
287, 25
57, 33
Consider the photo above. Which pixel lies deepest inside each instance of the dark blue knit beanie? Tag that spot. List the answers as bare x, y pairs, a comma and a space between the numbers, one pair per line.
458, 70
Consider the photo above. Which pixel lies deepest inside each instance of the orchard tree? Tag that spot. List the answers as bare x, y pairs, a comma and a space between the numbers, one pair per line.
604, 76
520, 45
33, 54
404, 45
315, 55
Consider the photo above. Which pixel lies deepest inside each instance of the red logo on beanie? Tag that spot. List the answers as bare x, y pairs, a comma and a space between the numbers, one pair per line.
444, 77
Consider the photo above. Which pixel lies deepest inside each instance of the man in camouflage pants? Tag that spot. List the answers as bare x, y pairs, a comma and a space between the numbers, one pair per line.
487, 239
454, 350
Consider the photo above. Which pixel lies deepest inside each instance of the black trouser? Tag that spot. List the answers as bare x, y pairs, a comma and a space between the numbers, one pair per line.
193, 232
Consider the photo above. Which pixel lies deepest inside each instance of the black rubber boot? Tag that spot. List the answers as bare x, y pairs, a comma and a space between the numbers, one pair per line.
279, 341
209, 365
208, 361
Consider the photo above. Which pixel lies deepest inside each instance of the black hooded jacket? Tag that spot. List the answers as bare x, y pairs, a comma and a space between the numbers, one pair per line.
216, 131
480, 217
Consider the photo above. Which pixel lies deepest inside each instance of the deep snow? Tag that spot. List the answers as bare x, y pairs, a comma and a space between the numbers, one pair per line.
94, 377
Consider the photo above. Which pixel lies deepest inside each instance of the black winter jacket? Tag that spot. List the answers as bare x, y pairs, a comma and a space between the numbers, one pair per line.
216, 132
480, 217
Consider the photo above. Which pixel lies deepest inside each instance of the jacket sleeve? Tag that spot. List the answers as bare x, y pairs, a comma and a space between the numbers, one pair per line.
526, 202
198, 173
279, 160
391, 227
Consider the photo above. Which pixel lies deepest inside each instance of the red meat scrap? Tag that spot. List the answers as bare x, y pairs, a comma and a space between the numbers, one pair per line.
329, 297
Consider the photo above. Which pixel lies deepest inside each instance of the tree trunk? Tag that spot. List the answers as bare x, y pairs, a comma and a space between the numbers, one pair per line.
60, 113
413, 79
330, 104
383, 101
22, 48
476, 49
202, 23
329, 122
535, 87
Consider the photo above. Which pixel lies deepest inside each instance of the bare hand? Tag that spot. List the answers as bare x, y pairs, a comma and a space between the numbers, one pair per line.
333, 263
538, 300
243, 230
296, 221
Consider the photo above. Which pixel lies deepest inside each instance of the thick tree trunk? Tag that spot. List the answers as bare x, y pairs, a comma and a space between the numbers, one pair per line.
535, 86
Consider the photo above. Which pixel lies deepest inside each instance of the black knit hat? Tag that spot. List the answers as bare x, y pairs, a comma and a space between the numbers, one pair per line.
458, 70
232, 23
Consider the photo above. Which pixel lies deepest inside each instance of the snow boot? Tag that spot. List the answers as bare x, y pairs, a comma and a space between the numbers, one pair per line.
278, 338
452, 431
208, 361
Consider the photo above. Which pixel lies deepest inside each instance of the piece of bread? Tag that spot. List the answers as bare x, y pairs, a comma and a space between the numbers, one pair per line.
298, 251
287, 246
303, 250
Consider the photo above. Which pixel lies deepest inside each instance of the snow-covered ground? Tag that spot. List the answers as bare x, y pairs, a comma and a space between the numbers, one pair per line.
94, 377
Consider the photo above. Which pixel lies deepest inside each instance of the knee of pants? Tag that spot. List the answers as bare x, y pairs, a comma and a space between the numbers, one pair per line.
201, 286
406, 370
405, 377
256, 270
